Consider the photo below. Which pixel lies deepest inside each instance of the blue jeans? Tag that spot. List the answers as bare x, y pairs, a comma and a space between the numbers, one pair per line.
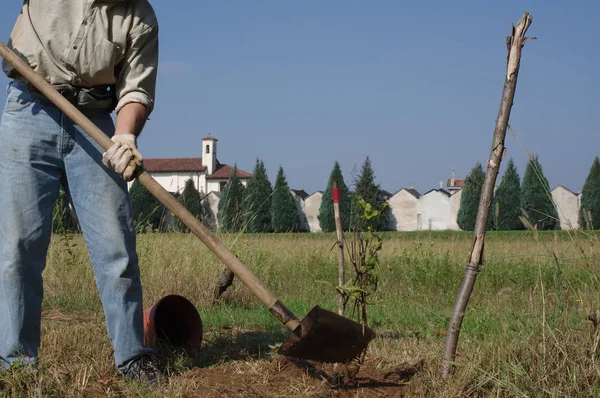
40, 149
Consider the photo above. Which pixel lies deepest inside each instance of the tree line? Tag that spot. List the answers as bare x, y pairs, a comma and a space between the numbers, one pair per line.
262, 207
517, 203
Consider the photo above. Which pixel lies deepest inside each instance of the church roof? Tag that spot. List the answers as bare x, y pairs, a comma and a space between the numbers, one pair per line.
173, 164
224, 171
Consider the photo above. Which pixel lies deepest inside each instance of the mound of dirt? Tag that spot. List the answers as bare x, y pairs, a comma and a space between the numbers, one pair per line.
285, 377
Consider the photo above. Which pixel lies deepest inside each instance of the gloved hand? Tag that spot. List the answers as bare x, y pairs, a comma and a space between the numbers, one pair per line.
123, 156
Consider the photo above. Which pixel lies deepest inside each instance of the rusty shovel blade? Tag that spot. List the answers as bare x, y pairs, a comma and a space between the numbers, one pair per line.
325, 336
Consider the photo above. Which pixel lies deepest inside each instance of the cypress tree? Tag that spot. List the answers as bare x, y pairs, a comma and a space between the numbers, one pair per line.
284, 215
326, 216
230, 212
257, 200
62, 219
371, 193
190, 199
508, 199
147, 211
536, 198
469, 201
590, 198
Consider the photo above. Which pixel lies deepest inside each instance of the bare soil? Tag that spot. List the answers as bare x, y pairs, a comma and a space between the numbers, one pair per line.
285, 377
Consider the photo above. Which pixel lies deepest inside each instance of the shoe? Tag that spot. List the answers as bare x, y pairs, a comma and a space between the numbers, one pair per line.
146, 370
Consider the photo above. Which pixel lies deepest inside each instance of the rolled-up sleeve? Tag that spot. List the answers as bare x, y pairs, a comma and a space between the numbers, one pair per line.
136, 81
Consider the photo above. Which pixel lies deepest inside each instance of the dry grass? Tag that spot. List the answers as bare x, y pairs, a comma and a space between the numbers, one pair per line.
526, 333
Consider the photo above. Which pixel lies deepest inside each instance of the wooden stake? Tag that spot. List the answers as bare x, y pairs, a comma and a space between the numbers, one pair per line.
514, 43
340, 241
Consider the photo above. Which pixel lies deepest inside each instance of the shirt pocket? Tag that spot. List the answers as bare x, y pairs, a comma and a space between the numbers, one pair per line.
99, 63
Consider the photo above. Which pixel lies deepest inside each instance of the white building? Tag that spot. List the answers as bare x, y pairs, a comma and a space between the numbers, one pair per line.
402, 215
312, 204
567, 206
299, 197
208, 174
433, 210
454, 207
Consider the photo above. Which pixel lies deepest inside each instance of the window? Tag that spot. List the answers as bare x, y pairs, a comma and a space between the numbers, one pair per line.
222, 186
207, 148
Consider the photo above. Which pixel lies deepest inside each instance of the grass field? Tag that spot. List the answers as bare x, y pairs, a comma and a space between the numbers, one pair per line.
527, 330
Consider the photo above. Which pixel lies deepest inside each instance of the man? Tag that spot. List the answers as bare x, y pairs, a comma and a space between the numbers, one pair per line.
101, 55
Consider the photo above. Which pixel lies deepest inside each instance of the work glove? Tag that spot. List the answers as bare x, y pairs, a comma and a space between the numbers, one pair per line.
123, 156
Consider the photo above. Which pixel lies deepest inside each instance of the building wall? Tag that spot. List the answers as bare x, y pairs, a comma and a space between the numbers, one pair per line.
214, 185
567, 207
403, 211
454, 206
300, 208
175, 182
434, 210
311, 209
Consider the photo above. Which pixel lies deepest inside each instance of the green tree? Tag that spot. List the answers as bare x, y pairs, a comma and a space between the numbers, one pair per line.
508, 200
257, 201
371, 193
62, 219
284, 215
230, 213
590, 198
147, 211
190, 199
469, 200
326, 216
536, 198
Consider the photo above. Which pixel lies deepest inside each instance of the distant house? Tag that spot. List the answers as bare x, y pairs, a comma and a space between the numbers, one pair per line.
312, 204
454, 207
403, 215
433, 210
299, 197
567, 206
207, 172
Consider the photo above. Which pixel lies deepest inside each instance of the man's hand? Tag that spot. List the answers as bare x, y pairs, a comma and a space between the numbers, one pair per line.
123, 156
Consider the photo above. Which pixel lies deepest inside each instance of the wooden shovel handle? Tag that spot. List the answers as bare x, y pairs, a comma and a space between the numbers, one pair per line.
277, 308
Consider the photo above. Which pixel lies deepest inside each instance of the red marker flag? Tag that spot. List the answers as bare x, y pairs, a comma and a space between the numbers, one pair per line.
336, 194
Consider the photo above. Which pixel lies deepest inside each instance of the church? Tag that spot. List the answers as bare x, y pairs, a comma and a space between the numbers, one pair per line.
208, 174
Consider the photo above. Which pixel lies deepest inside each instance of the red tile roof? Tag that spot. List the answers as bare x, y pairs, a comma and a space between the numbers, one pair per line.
174, 164
225, 170
209, 138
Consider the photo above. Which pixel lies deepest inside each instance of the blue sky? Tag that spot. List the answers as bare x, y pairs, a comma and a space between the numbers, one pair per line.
414, 85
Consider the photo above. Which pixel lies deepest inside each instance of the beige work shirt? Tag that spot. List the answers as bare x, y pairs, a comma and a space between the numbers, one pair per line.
89, 43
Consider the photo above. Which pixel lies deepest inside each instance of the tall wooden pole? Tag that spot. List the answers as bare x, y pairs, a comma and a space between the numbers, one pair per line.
514, 43
335, 193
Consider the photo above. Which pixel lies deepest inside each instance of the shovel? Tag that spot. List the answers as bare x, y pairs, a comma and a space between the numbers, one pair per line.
322, 335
